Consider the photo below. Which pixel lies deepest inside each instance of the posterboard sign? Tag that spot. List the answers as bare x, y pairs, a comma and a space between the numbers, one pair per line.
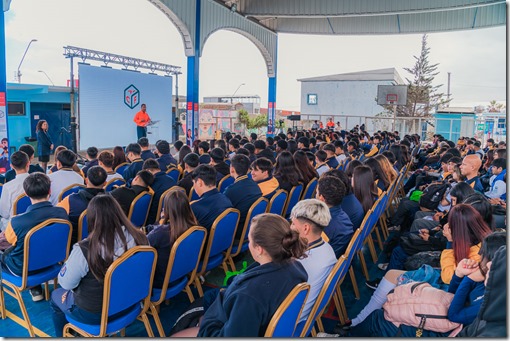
4, 144
110, 98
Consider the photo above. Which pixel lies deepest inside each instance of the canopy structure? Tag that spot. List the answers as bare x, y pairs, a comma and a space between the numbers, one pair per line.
261, 21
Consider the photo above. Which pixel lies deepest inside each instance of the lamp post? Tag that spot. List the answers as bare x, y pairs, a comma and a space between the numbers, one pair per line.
235, 92
47, 77
23, 58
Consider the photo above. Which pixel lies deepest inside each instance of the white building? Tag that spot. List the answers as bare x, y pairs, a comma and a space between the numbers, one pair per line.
347, 97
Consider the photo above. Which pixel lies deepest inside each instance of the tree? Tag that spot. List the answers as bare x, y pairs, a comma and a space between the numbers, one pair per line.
423, 97
494, 106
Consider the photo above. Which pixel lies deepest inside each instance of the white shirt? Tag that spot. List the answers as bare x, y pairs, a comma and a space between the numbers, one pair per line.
113, 175
322, 169
61, 179
10, 192
318, 265
341, 157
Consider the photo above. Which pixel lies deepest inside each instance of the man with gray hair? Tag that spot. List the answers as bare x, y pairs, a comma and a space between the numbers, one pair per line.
309, 218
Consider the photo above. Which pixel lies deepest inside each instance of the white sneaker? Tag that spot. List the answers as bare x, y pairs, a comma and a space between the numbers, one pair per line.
322, 334
383, 266
37, 294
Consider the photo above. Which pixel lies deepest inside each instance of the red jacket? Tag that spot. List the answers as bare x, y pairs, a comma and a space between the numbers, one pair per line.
141, 119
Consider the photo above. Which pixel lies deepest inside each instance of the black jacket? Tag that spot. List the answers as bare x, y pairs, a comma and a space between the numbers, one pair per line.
491, 319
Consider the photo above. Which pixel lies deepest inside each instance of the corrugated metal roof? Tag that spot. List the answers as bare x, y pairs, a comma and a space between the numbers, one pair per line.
389, 74
456, 110
359, 17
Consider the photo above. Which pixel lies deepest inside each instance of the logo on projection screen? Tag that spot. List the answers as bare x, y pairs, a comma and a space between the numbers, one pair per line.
131, 96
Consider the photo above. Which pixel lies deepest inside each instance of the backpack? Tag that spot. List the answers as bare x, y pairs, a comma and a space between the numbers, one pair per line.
432, 195
420, 305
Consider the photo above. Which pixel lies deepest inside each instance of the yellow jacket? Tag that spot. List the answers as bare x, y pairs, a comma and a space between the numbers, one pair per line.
449, 263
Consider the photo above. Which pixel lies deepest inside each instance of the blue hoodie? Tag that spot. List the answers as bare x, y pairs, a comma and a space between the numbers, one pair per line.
339, 230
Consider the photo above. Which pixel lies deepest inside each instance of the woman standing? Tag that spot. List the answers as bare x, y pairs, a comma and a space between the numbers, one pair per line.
44, 143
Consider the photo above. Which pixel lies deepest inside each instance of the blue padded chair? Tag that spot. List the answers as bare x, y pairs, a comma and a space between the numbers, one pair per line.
174, 173
309, 191
339, 270
139, 209
352, 249
121, 168
180, 271
21, 204
277, 202
37, 256
226, 181
292, 200
127, 291
74, 188
227, 161
241, 245
83, 226
219, 244
284, 321
193, 195
114, 182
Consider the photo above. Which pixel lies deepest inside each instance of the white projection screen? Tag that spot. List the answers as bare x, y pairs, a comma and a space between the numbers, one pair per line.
106, 118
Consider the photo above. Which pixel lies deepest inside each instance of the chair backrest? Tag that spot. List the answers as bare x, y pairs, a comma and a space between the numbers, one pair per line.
221, 236
184, 257
283, 323
83, 226
161, 202
128, 281
174, 173
37, 254
310, 189
121, 168
294, 195
74, 188
277, 202
114, 182
355, 244
258, 207
327, 291
226, 181
21, 204
193, 195
139, 209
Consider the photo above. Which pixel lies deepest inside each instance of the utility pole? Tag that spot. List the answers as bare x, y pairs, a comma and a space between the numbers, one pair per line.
448, 91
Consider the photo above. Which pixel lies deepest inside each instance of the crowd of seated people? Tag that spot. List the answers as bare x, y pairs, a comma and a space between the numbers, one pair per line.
452, 201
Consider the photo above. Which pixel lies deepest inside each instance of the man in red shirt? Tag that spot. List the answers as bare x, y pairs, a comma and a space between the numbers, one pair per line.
330, 124
142, 119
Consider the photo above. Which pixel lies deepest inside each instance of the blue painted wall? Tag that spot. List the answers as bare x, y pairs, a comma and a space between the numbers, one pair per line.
50, 103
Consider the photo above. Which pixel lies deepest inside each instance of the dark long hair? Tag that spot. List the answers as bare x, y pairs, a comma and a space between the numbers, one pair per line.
378, 171
39, 125
185, 150
364, 186
118, 156
273, 233
304, 166
351, 166
286, 169
177, 214
468, 228
106, 220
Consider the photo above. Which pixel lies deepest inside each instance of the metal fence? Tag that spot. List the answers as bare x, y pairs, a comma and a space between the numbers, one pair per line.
404, 125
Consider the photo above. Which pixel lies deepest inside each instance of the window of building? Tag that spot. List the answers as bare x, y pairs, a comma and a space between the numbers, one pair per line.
16, 108
311, 99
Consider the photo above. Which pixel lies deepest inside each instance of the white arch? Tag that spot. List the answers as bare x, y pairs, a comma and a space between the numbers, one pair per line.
270, 65
183, 29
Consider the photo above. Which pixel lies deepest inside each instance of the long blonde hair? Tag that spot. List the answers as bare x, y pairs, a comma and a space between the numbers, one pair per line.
387, 168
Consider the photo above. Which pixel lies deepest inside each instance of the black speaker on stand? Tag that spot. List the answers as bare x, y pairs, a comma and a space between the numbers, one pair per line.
294, 119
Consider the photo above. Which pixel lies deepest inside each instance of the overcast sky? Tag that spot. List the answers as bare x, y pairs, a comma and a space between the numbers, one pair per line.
136, 28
